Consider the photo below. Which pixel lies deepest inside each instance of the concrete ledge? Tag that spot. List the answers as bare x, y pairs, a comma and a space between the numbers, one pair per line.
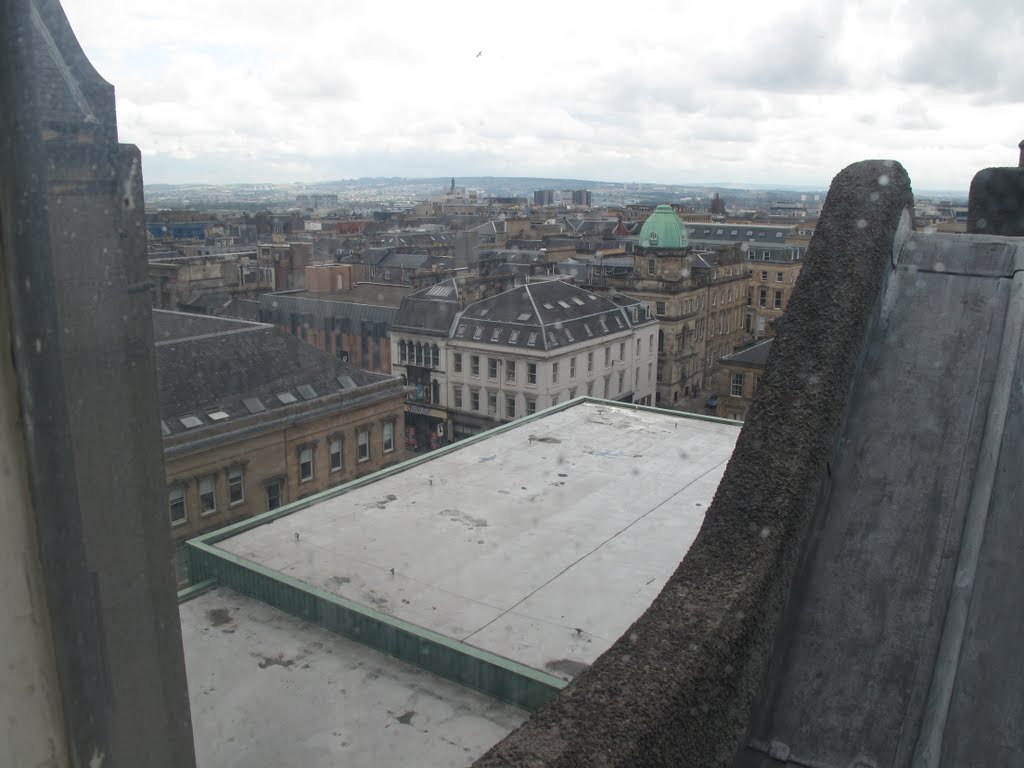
995, 205
677, 688
499, 677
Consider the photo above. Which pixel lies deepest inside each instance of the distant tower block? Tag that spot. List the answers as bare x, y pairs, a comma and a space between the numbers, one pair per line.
717, 205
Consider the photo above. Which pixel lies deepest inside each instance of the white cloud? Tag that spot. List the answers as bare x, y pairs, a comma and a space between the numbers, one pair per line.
787, 92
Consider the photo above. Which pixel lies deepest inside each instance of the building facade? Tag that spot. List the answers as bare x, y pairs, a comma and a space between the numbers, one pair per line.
698, 298
253, 418
543, 343
419, 354
351, 323
740, 374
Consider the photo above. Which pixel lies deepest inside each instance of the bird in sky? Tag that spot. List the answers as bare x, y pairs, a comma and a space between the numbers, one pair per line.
481, 53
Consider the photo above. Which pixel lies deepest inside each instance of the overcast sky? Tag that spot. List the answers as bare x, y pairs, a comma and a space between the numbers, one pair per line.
675, 92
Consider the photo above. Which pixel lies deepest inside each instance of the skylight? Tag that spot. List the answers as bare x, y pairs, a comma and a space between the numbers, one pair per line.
462, 331
346, 381
306, 391
496, 334
513, 337
531, 340
478, 332
217, 416
287, 398
253, 405
577, 300
191, 422
524, 317
563, 304
548, 305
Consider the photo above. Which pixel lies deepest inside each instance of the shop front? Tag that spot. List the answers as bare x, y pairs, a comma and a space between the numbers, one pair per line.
426, 427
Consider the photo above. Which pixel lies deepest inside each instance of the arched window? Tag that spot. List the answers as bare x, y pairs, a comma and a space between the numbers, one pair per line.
435, 391
661, 341
419, 353
401, 351
436, 355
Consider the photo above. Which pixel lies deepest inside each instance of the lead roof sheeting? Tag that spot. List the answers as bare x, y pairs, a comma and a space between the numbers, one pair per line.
281, 306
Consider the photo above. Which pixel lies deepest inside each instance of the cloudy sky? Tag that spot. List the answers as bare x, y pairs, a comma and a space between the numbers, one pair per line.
785, 92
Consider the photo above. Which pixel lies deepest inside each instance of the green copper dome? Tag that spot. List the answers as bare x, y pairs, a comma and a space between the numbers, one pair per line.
663, 229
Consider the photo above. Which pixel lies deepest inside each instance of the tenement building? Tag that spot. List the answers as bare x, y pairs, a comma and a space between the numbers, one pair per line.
543, 343
253, 418
699, 299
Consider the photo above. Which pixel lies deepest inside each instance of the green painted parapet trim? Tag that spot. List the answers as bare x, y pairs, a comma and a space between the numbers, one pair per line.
268, 517
194, 590
499, 677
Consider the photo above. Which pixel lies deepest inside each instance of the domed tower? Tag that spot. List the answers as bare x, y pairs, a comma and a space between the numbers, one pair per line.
663, 247
663, 229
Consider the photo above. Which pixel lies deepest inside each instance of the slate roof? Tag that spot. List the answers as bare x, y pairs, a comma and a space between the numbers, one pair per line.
728, 232
231, 361
543, 316
366, 302
430, 310
754, 355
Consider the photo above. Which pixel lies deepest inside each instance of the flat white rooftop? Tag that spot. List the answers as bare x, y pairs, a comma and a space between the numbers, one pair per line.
540, 543
268, 690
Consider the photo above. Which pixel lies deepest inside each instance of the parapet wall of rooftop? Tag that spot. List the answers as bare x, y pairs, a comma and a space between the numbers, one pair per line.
995, 205
678, 686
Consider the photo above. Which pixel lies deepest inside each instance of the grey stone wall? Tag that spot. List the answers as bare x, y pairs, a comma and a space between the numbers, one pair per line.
995, 205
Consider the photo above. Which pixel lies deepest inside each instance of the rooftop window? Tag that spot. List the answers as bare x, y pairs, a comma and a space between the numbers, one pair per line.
253, 405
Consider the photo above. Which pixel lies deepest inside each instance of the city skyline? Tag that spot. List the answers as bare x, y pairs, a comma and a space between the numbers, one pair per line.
228, 92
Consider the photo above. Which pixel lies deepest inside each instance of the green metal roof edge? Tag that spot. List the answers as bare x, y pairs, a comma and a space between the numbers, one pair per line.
186, 594
406, 626
268, 517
